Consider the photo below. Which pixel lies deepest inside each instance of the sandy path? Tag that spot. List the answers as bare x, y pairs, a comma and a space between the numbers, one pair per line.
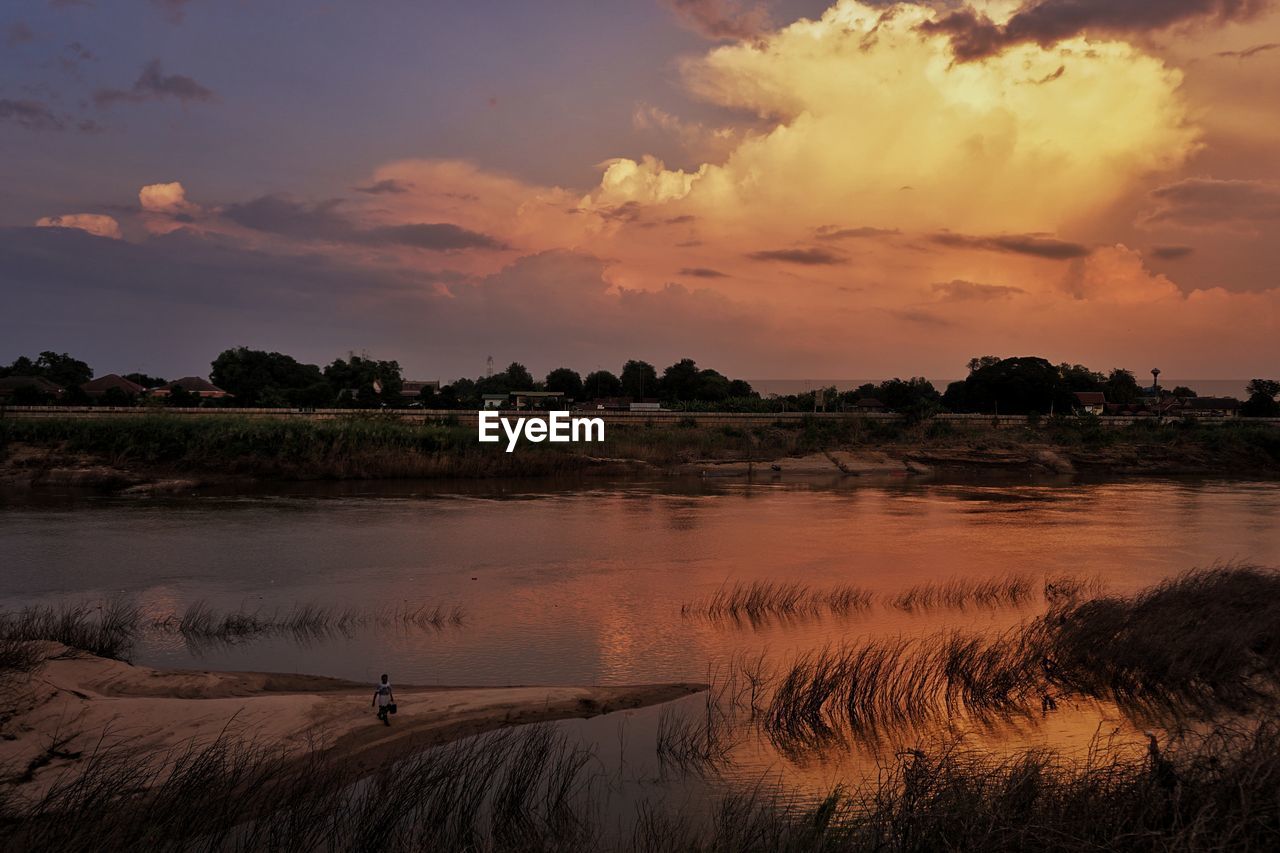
74, 702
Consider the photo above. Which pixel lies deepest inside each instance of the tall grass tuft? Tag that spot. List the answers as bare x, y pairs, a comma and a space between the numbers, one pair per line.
108, 629
758, 601
202, 623
960, 593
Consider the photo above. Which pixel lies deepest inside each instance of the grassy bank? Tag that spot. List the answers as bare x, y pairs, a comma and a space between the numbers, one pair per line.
372, 446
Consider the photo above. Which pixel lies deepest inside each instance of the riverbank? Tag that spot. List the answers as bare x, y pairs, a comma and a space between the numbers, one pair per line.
74, 704
150, 454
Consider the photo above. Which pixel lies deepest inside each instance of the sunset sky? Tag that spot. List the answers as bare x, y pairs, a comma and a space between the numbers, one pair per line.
787, 188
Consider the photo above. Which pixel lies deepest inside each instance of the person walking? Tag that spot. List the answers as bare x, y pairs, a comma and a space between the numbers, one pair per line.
384, 699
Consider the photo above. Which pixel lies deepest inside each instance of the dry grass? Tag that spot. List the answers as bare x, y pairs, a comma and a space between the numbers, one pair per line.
108, 629
759, 601
1206, 641
202, 623
961, 593
530, 790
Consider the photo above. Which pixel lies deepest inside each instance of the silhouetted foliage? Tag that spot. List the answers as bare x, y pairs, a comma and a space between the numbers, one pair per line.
1262, 399
58, 368
562, 380
639, 379
365, 382
1012, 386
270, 379
601, 383
145, 380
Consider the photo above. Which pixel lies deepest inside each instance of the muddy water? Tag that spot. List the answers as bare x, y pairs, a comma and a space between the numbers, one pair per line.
572, 584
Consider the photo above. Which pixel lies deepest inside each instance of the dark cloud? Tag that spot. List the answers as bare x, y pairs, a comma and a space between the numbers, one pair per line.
323, 220
18, 33
831, 232
153, 85
702, 272
919, 318
959, 290
1208, 202
1047, 22
553, 308
808, 257
1049, 78
722, 19
30, 115
1036, 245
683, 219
1171, 253
1249, 51
388, 186
174, 10
435, 237
277, 214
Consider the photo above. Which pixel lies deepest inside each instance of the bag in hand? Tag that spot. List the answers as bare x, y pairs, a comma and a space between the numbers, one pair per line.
391, 708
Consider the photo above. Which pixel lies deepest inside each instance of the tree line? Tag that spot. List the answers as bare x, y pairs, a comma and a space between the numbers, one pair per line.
257, 378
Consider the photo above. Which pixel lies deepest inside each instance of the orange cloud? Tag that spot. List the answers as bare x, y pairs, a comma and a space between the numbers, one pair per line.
97, 224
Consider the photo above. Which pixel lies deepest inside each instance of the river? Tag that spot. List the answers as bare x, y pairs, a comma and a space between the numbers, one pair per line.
573, 584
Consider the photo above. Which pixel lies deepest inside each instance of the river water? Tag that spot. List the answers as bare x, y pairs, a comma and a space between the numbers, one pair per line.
586, 583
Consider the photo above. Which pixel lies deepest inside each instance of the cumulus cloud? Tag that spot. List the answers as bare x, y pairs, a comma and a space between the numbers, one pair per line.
1116, 274
154, 85
969, 139
722, 19
1214, 203
1037, 245
974, 35
165, 208
711, 142
96, 224
170, 198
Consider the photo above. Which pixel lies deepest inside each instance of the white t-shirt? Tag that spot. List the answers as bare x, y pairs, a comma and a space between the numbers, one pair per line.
384, 693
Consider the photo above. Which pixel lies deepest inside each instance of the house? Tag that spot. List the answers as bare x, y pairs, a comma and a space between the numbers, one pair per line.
869, 404
1210, 407
606, 404
98, 387
202, 388
411, 389
1091, 402
539, 400
29, 386
492, 401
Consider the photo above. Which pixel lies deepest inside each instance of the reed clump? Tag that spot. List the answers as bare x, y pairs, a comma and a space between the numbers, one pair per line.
202, 622
759, 601
961, 593
1201, 643
108, 630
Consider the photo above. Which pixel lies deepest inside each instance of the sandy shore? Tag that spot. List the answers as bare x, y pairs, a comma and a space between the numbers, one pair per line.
73, 703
